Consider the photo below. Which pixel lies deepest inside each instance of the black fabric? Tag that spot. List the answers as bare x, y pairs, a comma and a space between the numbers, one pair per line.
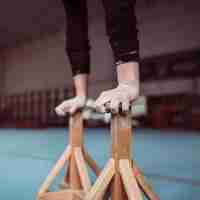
121, 26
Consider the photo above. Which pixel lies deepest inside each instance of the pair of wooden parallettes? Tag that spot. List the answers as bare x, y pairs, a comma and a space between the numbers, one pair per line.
120, 179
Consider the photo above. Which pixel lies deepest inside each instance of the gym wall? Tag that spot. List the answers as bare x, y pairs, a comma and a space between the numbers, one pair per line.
37, 64
2, 72
165, 27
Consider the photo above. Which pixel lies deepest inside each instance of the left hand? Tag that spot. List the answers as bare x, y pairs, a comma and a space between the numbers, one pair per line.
121, 96
71, 105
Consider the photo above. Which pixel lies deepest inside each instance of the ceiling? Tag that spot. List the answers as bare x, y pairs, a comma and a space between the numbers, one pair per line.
27, 19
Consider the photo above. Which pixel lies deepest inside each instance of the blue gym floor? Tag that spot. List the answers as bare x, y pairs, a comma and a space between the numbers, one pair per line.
170, 160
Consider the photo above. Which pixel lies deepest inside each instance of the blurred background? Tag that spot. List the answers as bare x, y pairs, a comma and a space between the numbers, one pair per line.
35, 76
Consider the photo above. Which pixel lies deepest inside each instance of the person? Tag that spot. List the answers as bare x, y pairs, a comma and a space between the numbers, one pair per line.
121, 27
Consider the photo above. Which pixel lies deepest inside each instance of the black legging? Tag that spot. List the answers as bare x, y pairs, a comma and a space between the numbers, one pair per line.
121, 26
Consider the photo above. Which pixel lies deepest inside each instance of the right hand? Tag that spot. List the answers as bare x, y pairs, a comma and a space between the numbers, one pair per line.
71, 105
124, 94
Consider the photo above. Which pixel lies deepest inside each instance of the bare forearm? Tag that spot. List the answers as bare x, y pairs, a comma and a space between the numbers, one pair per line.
81, 84
128, 72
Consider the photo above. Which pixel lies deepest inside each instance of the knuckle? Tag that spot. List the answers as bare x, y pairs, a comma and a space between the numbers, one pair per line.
104, 93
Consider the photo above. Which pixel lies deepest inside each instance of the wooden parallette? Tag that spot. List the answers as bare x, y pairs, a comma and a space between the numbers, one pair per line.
77, 182
121, 177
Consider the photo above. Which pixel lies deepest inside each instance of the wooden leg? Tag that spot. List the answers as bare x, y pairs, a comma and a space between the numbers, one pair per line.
82, 168
55, 171
65, 183
74, 178
129, 180
117, 188
62, 195
146, 188
92, 164
102, 182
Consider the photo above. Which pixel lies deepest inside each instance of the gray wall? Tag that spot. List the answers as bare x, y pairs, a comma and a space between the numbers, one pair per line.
169, 26
2, 73
36, 65
164, 28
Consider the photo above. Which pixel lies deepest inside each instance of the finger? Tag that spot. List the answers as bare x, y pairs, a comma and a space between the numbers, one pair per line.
66, 105
114, 106
63, 107
102, 99
101, 108
107, 106
59, 111
101, 105
125, 105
